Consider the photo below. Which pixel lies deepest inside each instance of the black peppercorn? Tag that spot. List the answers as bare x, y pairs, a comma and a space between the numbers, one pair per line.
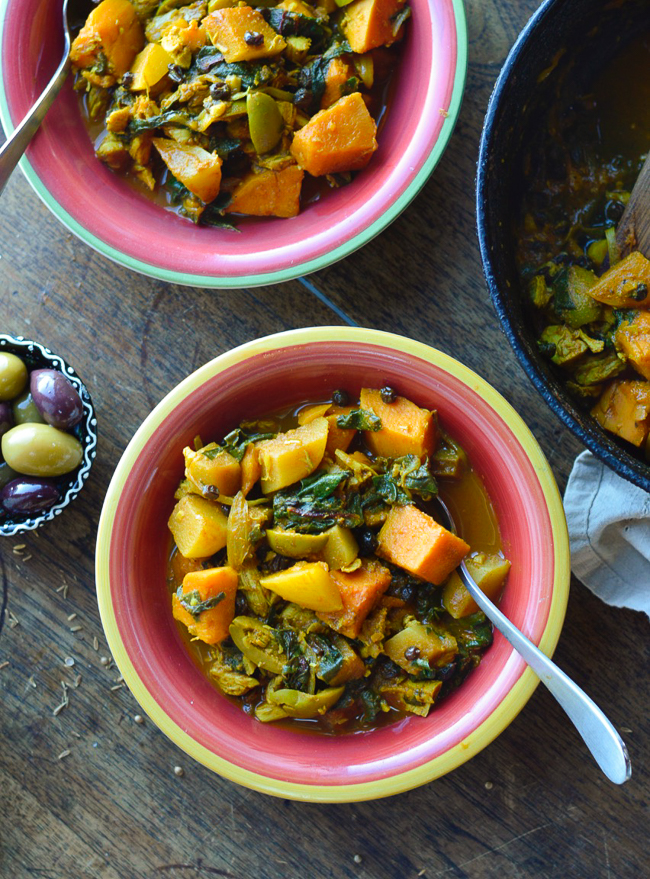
176, 72
340, 397
367, 542
253, 38
220, 91
387, 394
127, 79
412, 653
639, 293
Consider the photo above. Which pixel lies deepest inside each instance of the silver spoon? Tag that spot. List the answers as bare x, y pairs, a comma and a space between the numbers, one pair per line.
599, 735
14, 147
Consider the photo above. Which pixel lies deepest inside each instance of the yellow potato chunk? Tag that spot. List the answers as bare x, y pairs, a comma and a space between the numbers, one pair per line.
293, 544
230, 31
213, 468
341, 548
194, 167
488, 572
624, 409
150, 66
368, 24
307, 584
291, 456
420, 642
198, 527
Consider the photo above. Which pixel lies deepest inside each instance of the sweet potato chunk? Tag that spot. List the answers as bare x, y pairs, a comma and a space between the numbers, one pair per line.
416, 542
291, 456
625, 285
198, 527
206, 604
406, 429
624, 409
338, 73
360, 590
213, 468
267, 193
113, 30
227, 28
633, 339
194, 167
371, 23
307, 584
340, 138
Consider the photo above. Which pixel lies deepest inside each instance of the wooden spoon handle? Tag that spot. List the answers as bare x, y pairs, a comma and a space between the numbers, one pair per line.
633, 232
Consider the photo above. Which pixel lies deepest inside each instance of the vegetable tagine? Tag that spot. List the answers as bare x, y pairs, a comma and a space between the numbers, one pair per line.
234, 108
309, 575
591, 302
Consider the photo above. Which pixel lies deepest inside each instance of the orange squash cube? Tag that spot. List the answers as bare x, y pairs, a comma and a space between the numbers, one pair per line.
624, 409
340, 138
204, 588
267, 193
368, 24
113, 29
406, 429
622, 285
416, 542
227, 28
360, 591
338, 73
633, 339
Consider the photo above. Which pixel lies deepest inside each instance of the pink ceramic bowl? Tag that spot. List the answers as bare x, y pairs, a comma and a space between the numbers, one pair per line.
270, 374
104, 211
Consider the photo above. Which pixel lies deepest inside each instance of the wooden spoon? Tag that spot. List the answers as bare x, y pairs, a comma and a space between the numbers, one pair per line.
633, 230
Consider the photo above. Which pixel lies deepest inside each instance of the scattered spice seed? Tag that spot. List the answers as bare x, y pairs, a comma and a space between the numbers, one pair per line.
66, 701
178, 770
77, 681
75, 628
117, 687
69, 661
64, 754
95, 643
139, 718
63, 588
72, 616
4, 664
357, 859
26, 558
104, 660
31, 681
19, 547
488, 785
443, 112
421, 873
13, 619
76, 735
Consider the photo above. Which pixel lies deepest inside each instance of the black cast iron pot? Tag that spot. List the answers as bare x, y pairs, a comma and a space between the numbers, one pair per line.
584, 34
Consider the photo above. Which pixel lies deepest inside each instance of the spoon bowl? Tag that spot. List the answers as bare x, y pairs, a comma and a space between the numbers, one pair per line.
605, 744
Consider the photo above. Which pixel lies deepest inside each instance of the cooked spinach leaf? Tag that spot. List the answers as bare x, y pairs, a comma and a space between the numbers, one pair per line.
359, 419
194, 604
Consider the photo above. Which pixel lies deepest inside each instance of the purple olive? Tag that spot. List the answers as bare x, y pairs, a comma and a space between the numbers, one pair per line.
25, 496
6, 418
56, 399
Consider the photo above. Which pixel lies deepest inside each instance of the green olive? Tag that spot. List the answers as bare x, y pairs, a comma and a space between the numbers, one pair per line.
293, 544
13, 375
26, 411
298, 704
264, 121
258, 643
6, 474
41, 450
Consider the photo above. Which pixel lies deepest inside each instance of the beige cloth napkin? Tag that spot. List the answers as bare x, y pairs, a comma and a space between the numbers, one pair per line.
609, 530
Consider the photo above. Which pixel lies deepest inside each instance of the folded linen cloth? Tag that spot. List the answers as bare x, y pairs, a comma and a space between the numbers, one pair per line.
609, 531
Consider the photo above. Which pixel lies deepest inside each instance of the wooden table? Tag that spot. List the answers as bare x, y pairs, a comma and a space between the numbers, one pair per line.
86, 791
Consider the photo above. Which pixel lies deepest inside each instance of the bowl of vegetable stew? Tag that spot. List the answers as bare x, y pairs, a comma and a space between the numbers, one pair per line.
281, 374
563, 119
121, 219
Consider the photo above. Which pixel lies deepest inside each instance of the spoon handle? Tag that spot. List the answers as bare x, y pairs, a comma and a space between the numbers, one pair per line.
14, 147
596, 730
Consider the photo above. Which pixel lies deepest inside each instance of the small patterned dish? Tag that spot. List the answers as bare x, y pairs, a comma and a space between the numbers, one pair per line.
36, 356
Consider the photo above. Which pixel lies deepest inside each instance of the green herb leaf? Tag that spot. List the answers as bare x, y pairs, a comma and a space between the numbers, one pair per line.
359, 419
236, 441
193, 603
321, 485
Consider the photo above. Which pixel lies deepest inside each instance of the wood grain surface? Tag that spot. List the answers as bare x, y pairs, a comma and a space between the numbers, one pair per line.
86, 790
